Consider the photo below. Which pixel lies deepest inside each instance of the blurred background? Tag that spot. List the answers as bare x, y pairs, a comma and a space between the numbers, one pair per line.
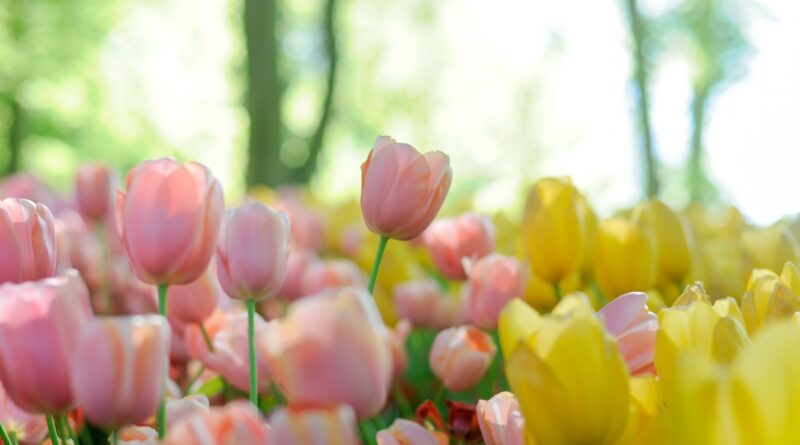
690, 100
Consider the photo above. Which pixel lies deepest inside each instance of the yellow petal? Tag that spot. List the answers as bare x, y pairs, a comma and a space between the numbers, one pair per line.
516, 323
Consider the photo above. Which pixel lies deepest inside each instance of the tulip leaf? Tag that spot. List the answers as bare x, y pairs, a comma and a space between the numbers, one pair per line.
212, 387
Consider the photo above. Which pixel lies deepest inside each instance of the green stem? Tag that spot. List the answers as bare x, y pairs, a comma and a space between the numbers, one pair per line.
114, 438
557, 290
62, 433
378, 257
251, 341
67, 428
4, 434
51, 430
86, 435
13, 436
194, 378
402, 401
161, 416
207, 337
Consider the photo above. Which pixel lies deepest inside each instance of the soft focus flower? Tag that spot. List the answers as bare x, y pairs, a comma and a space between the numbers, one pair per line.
296, 265
770, 247
169, 219
671, 238
118, 368
94, 188
625, 257
28, 428
137, 435
298, 426
406, 432
237, 422
401, 189
424, 304
501, 421
194, 302
397, 344
25, 185
450, 240
27, 240
767, 298
78, 248
40, 323
494, 280
331, 349
332, 274
460, 356
182, 407
629, 320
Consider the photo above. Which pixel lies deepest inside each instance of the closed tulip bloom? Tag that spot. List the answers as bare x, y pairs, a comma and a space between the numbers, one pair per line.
177, 409
344, 359
494, 281
28, 428
771, 247
401, 189
332, 274
406, 432
27, 240
169, 219
40, 323
237, 422
501, 421
553, 229
137, 435
629, 320
671, 238
425, 305
252, 251
94, 185
450, 240
296, 265
299, 426
460, 356
625, 257
118, 368
194, 302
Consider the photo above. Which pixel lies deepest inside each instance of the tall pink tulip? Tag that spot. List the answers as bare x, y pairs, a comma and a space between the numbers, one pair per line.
28, 428
460, 356
332, 274
234, 423
450, 240
332, 348
300, 426
94, 185
501, 421
406, 432
118, 368
169, 219
252, 251
40, 323
494, 280
401, 189
193, 303
629, 320
27, 241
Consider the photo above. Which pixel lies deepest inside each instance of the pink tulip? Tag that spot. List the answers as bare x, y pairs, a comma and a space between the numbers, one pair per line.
332, 274
94, 185
169, 220
137, 435
424, 304
252, 251
296, 265
406, 432
331, 349
28, 428
118, 368
79, 248
307, 224
27, 240
451, 240
40, 323
494, 280
397, 344
460, 356
178, 409
235, 423
27, 186
402, 190
501, 421
193, 303
130, 294
293, 426
629, 320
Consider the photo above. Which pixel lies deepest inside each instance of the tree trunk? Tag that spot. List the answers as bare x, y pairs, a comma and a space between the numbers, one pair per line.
697, 175
16, 134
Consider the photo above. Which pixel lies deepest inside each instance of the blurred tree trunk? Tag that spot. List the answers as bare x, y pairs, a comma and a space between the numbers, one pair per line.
640, 80
16, 134
698, 182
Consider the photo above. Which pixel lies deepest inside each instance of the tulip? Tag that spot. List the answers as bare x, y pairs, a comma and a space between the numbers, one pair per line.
179, 408
118, 369
40, 323
193, 303
629, 320
771, 247
27, 240
404, 432
625, 257
672, 240
451, 240
344, 359
169, 219
397, 343
494, 281
297, 426
24, 185
424, 304
460, 356
137, 435
235, 423
94, 185
26, 427
296, 265
553, 231
501, 421
766, 299
332, 274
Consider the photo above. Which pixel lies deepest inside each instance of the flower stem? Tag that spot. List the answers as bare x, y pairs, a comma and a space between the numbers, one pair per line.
206, 337
67, 428
4, 434
557, 290
161, 416
51, 429
378, 257
251, 340
114, 437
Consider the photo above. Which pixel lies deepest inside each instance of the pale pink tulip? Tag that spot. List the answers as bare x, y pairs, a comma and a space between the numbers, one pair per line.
401, 189
94, 186
331, 349
169, 220
193, 303
451, 240
424, 304
137, 435
130, 294
24, 185
40, 323
494, 280
236, 423
406, 432
182, 407
460, 356
332, 274
79, 248
501, 421
397, 343
299, 426
296, 265
629, 320
307, 224
27, 240
27, 427
252, 251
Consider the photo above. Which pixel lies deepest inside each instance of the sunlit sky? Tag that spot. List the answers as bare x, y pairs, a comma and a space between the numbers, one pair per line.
512, 91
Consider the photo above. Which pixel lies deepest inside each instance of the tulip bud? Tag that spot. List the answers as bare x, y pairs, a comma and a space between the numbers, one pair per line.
292, 426
424, 304
169, 219
40, 323
501, 421
494, 281
137, 435
401, 189
194, 302
27, 240
625, 257
235, 423
94, 185
671, 238
332, 274
460, 356
252, 251
629, 320
451, 240
404, 432
296, 265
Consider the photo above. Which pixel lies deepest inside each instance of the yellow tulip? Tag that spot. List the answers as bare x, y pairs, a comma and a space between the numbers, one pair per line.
790, 276
766, 299
541, 295
671, 237
771, 247
553, 231
590, 229
567, 373
625, 257
647, 423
